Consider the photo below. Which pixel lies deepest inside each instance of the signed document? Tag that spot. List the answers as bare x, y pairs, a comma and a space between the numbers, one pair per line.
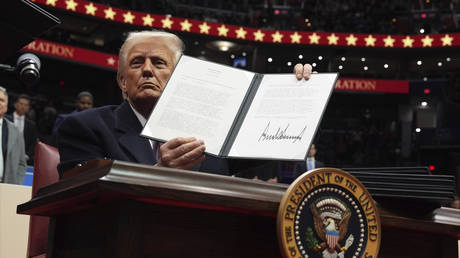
238, 113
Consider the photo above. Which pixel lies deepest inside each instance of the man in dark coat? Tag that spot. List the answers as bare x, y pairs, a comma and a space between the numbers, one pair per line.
146, 61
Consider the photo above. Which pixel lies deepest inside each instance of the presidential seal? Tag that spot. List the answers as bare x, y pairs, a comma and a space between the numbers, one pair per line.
328, 213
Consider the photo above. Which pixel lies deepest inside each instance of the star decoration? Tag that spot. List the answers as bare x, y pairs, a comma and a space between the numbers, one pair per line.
389, 41
111, 61
427, 41
51, 2
148, 21
167, 23
91, 9
240, 33
109, 13
351, 40
259, 35
222, 30
296, 37
71, 5
186, 25
407, 41
447, 40
128, 17
370, 40
277, 36
314, 38
204, 28
332, 39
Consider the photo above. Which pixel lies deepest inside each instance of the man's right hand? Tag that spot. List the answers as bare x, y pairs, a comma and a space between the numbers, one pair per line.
182, 153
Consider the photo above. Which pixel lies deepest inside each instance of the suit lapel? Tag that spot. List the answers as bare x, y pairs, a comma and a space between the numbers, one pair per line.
129, 127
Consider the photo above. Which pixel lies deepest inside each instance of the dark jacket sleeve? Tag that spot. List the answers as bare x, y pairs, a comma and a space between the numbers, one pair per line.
78, 142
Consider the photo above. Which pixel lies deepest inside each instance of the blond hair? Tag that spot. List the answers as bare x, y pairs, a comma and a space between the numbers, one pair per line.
133, 37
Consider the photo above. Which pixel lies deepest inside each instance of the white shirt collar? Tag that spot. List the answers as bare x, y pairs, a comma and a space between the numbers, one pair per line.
141, 118
16, 116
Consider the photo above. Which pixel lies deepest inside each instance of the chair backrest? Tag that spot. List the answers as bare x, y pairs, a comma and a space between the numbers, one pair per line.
46, 159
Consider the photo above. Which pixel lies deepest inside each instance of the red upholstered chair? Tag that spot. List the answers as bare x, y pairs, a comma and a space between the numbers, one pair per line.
45, 172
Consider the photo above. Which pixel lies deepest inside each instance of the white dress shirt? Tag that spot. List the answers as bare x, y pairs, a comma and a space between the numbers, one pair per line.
19, 121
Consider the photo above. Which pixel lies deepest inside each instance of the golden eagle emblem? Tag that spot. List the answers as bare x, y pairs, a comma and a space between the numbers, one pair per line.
330, 218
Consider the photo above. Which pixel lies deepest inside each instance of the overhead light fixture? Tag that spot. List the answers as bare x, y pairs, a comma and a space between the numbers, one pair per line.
223, 45
320, 57
363, 59
418, 130
385, 66
300, 56
419, 62
289, 63
439, 63
343, 59
365, 68
232, 56
448, 59
424, 104
270, 59
340, 67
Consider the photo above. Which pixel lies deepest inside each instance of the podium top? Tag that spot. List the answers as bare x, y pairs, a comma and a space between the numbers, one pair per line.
107, 181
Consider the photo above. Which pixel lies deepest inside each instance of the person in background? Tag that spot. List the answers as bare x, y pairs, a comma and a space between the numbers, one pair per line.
311, 163
83, 101
12, 155
26, 126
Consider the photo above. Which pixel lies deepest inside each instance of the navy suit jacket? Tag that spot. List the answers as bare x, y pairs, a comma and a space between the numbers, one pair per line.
112, 132
301, 167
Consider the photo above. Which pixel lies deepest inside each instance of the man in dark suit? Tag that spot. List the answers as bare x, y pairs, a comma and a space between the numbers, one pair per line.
84, 100
146, 61
26, 126
311, 163
12, 154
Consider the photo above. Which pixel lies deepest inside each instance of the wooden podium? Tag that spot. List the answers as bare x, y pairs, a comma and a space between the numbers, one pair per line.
120, 209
